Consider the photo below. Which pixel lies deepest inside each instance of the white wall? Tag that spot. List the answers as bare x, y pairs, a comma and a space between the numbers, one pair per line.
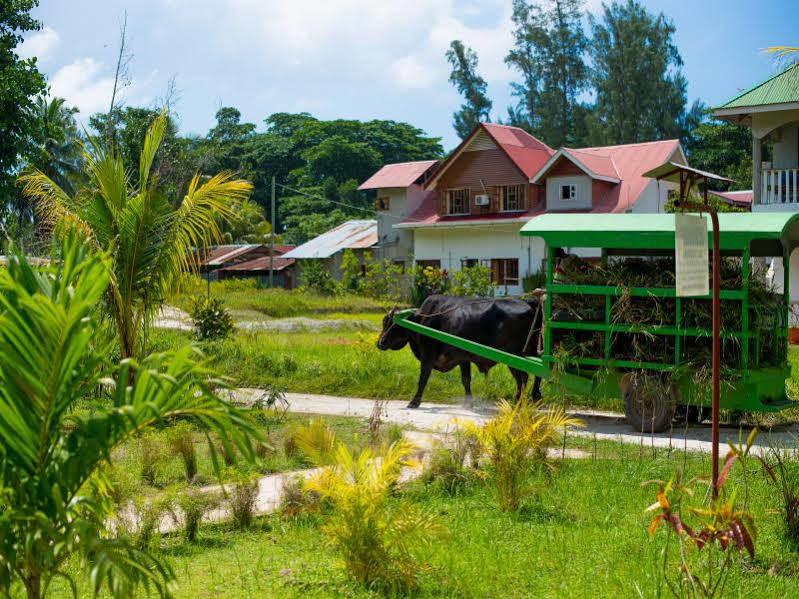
777, 277
653, 198
785, 146
397, 244
451, 244
581, 202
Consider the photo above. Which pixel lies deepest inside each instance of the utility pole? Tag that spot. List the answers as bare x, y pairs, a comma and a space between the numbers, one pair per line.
272, 238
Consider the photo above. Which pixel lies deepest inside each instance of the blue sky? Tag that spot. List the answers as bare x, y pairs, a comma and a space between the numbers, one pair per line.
360, 59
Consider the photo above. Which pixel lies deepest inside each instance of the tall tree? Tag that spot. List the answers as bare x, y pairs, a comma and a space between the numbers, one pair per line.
58, 153
549, 44
726, 149
20, 83
470, 85
640, 88
123, 211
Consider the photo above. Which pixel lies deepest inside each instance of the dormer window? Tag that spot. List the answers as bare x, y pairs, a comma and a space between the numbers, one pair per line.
513, 198
458, 201
568, 192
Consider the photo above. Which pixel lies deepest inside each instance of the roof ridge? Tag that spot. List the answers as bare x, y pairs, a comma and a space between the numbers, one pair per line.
637, 143
760, 84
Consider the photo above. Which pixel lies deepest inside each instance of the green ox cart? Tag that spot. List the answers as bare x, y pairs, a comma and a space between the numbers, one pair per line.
602, 362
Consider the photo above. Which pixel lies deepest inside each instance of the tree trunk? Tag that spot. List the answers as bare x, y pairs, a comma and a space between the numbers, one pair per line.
33, 586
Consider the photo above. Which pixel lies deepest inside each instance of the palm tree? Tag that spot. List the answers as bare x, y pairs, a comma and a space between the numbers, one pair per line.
59, 154
248, 226
151, 243
52, 456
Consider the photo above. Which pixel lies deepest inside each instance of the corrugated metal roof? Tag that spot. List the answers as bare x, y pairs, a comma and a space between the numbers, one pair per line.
742, 199
353, 234
400, 174
259, 264
598, 163
777, 89
220, 254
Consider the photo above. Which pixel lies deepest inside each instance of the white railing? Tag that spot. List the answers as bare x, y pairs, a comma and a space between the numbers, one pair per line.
779, 186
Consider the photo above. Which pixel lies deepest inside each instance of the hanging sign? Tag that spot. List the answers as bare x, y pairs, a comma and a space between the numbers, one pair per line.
690, 255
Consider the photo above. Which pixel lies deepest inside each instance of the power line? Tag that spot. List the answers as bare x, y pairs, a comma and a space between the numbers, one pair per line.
371, 211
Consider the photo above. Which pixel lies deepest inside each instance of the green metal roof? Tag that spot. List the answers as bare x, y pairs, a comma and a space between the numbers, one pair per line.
777, 89
737, 230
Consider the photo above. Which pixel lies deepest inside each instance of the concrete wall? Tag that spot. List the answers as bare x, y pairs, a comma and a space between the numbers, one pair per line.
654, 197
786, 146
452, 244
397, 244
581, 202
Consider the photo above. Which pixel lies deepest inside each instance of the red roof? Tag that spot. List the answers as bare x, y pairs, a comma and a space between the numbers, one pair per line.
623, 165
400, 174
741, 199
258, 264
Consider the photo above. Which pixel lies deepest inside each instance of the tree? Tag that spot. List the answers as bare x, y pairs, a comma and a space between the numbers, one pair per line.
640, 89
52, 455
725, 149
470, 85
20, 83
248, 224
152, 244
58, 153
549, 44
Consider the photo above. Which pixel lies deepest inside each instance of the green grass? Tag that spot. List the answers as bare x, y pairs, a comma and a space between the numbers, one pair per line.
170, 470
245, 296
584, 535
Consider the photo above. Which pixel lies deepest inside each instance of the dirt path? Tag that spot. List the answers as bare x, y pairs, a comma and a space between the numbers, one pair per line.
605, 425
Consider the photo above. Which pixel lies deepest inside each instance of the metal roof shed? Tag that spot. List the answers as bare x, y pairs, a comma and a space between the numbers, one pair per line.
353, 234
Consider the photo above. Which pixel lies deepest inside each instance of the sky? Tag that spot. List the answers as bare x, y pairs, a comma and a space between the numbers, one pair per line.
357, 59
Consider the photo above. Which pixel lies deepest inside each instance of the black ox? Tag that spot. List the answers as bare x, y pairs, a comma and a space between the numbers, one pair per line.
505, 324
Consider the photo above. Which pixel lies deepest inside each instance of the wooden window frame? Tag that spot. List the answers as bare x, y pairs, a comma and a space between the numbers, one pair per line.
499, 271
431, 263
383, 204
467, 201
520, 199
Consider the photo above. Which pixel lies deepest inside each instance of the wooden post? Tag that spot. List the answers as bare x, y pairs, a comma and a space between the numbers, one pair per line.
272, 239
756, 173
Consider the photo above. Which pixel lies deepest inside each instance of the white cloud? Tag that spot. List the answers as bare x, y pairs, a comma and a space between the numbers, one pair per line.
84, 84
40, 44
398, 44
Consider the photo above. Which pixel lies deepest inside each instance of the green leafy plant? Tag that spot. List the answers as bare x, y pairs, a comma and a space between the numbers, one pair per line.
782, 468
515, 443
316, 441
428, 281
152, 454
211, 319
714, 529
316, 276
55, 492
383, 280
194, 504
350, 271
242, 500
181, 441
380, 543
534, 280
472, 281
454, 459
152, 244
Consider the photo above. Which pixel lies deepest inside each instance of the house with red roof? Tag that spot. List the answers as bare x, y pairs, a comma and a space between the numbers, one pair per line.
468, 209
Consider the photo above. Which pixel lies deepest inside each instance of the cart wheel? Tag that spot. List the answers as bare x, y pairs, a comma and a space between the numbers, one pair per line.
649, 404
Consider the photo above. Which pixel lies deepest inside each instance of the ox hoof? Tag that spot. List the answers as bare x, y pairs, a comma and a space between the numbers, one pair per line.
413, 404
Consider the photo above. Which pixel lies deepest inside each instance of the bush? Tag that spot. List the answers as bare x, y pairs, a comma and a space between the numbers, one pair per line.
181, 440
295, 498
316, 441
316, 276
242, 501
472, 281
453, 461
515, 442
350, 271
211, 319
148, 515
152, 454
427, 281
534, 280
380, 544
194, 505
383, 280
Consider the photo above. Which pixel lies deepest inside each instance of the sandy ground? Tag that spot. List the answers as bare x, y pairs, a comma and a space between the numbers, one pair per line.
173, 318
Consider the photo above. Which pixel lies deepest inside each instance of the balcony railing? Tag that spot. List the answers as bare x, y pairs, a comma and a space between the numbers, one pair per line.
779, 186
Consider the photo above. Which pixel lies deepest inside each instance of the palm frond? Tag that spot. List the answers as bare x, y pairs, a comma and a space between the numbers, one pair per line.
52, 204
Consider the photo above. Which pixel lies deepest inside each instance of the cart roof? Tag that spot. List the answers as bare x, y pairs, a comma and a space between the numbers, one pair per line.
760, 230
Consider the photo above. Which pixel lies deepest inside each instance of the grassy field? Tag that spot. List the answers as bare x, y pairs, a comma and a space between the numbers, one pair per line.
583, 535
245, 296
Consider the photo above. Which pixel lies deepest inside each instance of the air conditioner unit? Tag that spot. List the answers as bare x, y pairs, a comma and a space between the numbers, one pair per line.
482, 200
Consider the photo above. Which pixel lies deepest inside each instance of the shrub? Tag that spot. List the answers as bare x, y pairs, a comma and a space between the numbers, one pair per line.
211, 319
181, 440
383, 280
152, 454
194, 505
472, 281
515, 443
148, 516
242, 501
782, 467
427, 281
350, 270
452, 461
380, 544
295, 498
534, 280
316, 277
